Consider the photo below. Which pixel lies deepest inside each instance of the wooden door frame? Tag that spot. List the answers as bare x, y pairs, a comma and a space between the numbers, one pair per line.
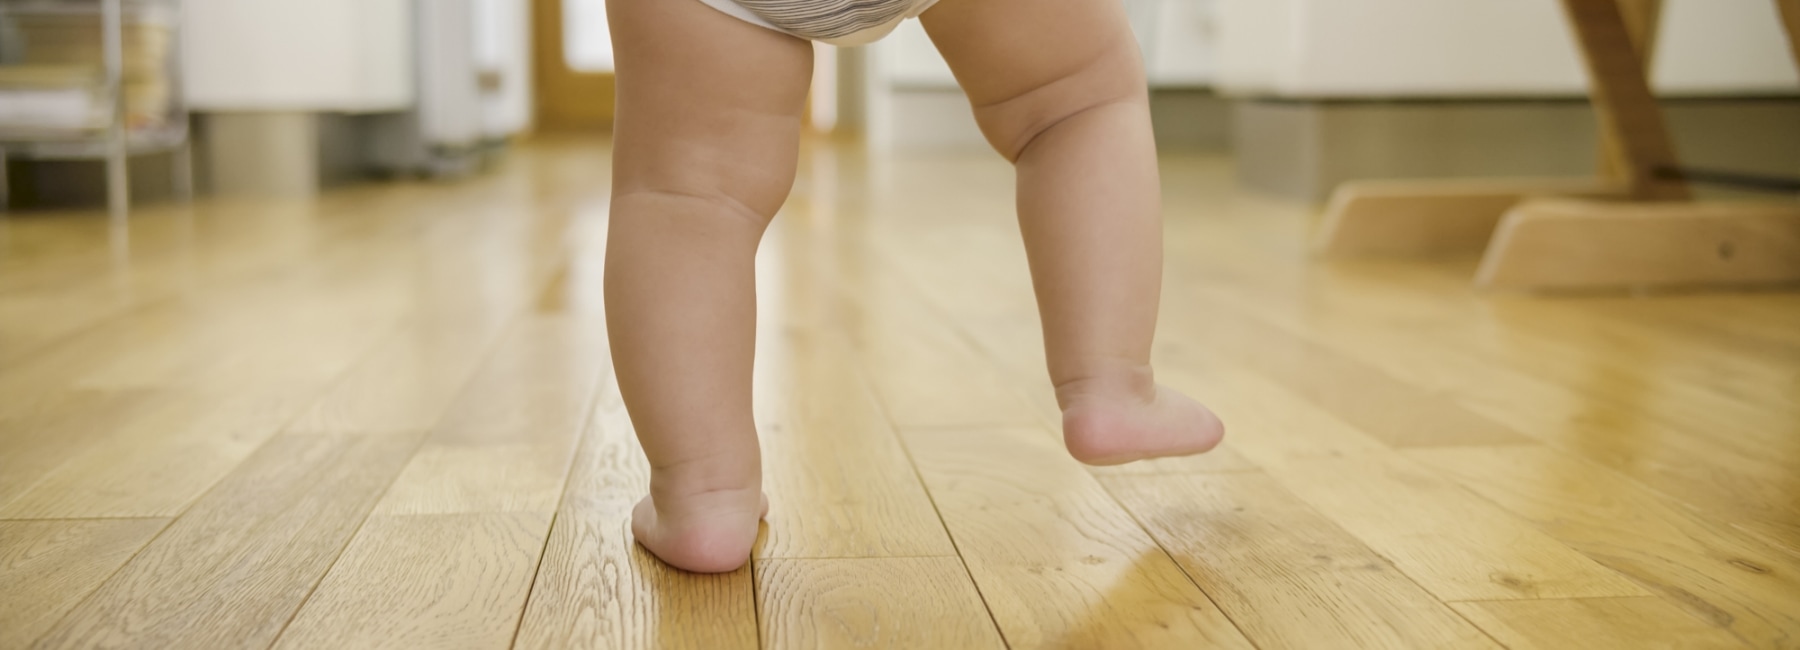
564, 98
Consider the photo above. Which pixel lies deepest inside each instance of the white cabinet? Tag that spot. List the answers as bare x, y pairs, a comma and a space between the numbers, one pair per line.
1460, 48
299, 55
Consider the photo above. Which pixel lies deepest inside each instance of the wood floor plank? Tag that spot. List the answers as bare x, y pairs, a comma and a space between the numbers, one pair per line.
406, 382
1743, 328
57, 368
61, 426
1058, 562
838, 480
49, 566
324, 324
1288, 577
1713, 572
1001, 319
596, 588
29, 322
157, 464
924, 602
236, 566
1398, 413
985, 296
1451, 542
1394, 438
1611, 366
415, 581
506, 442
1647, 623
1602, 415
906, 341
1265, 424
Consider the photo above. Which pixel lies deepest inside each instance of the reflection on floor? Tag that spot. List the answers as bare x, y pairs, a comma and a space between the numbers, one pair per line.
386, 417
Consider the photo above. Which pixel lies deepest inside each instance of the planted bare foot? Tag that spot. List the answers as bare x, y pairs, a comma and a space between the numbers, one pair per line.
704, 532
1128, 417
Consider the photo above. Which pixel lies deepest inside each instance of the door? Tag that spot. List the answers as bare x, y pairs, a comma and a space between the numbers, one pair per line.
572, 61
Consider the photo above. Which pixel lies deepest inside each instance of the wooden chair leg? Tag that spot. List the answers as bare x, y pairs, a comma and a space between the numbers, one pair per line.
1598, 244
1642, 20
1629, 115
1790, 18
1431, 217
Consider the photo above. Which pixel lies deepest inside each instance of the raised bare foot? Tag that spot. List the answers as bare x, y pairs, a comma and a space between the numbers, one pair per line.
1117, 420
704, 532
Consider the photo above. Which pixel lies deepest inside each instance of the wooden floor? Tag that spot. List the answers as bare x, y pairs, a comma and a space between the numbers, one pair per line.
386, 418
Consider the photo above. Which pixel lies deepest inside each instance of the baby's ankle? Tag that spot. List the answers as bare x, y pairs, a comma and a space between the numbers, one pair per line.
716, 475
1112, 380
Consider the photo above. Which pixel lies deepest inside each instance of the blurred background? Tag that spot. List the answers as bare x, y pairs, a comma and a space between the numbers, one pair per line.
287, 97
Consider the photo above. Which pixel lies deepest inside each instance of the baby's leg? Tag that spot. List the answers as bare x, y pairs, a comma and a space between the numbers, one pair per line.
706, 139
1058, 88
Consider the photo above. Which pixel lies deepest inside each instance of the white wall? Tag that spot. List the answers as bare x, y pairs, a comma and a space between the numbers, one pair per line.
298, 55
1332, 48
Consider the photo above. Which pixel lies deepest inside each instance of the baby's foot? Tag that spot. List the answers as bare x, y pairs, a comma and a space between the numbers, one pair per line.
704, 532
1112, 422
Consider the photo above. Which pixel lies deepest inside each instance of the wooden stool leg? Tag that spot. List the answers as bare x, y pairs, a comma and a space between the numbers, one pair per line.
1629, 116
1444, 217
1790, 18
1642, 21
1583, 244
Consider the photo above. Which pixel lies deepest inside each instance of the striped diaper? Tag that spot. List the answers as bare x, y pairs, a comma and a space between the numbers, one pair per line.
838, 22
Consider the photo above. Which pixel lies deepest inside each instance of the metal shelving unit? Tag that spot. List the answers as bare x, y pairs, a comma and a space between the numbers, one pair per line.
94, 79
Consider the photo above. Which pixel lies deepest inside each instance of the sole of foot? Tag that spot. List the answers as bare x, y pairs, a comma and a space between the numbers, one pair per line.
708, 533
1118, 429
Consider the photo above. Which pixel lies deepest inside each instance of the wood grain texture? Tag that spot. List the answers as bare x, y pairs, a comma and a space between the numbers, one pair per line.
505, 443
925, 602
1058, 562
1649, 623
404, 384
906, 342
59, 427
838, 480
1385, 407
49, 566
1451, 542
1584, 386
596, 588
1714, 573
158, 462
1265, 423
1285, 575
412, 581
233, 569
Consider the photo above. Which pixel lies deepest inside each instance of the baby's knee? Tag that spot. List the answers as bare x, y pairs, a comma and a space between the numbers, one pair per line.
1012, 123
694, 203
707, 181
